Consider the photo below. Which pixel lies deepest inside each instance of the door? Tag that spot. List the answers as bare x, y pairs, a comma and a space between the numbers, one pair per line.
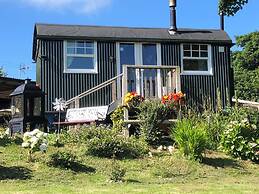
127, 57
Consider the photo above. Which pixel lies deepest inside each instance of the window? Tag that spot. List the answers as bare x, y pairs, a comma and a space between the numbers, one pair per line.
196, 59
80, 57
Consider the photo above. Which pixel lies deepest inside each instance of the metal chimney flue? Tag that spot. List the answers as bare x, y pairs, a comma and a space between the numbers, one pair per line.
222, 21
173, 26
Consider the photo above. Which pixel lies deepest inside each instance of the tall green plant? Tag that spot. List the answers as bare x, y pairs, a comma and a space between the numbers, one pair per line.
152, 114
191, 138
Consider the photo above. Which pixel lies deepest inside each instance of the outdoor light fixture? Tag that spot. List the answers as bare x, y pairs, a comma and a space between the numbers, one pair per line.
172, 3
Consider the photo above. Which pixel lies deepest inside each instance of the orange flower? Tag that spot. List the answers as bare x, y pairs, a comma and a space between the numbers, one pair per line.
165, 98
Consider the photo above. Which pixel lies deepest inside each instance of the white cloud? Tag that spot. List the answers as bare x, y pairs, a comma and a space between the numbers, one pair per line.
79, 6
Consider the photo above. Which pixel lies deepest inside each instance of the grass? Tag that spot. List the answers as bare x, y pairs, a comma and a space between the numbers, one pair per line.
162, 173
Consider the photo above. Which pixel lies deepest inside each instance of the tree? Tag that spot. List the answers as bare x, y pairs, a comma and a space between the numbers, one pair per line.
231, 7
246, 66
2, 72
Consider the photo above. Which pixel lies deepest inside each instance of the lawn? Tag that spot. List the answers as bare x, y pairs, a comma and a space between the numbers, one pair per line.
163, 173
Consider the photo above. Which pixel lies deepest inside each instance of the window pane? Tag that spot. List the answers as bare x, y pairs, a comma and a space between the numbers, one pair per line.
37, 106
195, 47
195, 54
149, 54
80, 44
127, 57
89, 44
187, 47
80, 51
80, 62
70, 51
71, 44
195, 65
187, 53
127, 54
89, 51
204, 54
204, 47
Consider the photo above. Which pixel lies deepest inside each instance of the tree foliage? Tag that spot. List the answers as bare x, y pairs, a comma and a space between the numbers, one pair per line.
2, 72
246, 66
231, 7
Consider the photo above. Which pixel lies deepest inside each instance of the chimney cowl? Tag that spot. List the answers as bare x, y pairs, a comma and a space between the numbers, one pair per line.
172, 3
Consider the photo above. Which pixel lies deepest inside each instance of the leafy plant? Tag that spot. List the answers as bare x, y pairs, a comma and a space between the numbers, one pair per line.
117, 172
191, 138
245, 62
106, 142
152, 114
117, 119
34, 141
62, 159
241, 139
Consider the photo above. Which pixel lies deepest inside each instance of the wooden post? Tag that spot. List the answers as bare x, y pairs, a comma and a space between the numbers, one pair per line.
159, 84
178, 79
114, 91
77, 102
125, 89
138, 80
169, 82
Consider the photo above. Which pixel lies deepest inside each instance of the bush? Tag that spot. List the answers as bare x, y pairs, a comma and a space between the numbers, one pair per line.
241, 139
117, 172
109, 143
152, 114
191, 138
62, 159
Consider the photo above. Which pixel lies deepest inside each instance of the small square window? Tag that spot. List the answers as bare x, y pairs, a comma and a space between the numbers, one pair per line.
80, 57
196, 61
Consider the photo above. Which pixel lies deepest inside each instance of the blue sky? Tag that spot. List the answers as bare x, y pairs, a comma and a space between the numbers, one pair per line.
19, 16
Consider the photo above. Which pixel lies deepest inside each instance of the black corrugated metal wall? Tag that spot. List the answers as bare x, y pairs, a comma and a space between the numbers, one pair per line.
202, 89
199, 88
57, 84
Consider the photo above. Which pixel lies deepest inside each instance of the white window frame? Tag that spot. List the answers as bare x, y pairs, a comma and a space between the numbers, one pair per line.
209, 58
88, 71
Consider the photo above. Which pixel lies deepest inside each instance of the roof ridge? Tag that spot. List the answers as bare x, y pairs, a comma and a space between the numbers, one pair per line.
124, 27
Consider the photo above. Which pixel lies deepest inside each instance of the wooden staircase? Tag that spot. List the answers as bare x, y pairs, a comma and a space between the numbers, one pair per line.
149, 81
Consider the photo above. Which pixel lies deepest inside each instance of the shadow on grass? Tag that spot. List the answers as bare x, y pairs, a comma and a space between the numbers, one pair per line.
221, 163
132, 181
75, 167
15, 173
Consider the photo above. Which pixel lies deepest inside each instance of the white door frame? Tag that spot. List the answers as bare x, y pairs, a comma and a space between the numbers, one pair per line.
139, 61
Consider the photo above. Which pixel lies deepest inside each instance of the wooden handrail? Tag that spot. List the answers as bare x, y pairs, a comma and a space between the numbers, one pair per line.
151, 67
94, 89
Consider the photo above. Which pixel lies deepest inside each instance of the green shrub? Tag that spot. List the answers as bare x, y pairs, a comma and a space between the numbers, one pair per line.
241, 139
191, 138
62, 159
117, 118
109, 143
152, 114
117, 172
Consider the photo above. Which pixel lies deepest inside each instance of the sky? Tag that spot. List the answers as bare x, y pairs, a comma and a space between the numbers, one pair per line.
17, 19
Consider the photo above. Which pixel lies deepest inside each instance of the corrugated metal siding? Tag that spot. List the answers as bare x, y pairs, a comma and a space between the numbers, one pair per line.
66, 85
201, 89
